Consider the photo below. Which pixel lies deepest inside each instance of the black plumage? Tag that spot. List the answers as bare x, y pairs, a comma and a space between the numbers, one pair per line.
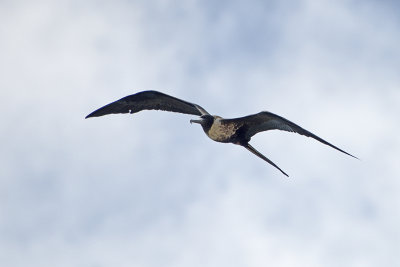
148, 100
237, 131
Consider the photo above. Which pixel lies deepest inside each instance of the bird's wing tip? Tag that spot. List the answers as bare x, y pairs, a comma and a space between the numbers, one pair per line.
350, 154
284, 173
95, 113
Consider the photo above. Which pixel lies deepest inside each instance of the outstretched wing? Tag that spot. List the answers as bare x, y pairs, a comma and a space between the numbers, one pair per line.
265, 121
148, 100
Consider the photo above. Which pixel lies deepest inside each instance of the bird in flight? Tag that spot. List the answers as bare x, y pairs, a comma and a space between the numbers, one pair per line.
237, 131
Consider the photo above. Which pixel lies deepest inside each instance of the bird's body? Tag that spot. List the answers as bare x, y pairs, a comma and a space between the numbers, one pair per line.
237, 131
220, 131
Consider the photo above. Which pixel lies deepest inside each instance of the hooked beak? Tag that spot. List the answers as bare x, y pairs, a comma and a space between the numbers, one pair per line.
196, 121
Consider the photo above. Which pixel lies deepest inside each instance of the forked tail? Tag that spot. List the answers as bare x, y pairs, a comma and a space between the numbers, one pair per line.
258, 154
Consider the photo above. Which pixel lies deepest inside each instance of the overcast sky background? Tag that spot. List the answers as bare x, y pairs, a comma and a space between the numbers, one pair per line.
152, 190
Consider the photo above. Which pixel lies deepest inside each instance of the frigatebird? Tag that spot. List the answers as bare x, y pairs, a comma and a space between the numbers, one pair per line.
237, 131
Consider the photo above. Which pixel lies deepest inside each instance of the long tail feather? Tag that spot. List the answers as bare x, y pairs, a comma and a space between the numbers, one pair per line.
258, 154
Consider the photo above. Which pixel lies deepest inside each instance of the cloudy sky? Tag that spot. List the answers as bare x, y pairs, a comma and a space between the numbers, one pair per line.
152, 190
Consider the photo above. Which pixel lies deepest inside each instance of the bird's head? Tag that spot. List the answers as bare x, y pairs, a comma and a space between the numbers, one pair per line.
205, 121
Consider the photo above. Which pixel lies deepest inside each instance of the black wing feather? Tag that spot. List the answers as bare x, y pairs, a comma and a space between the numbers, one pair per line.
265, 121
148, 100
